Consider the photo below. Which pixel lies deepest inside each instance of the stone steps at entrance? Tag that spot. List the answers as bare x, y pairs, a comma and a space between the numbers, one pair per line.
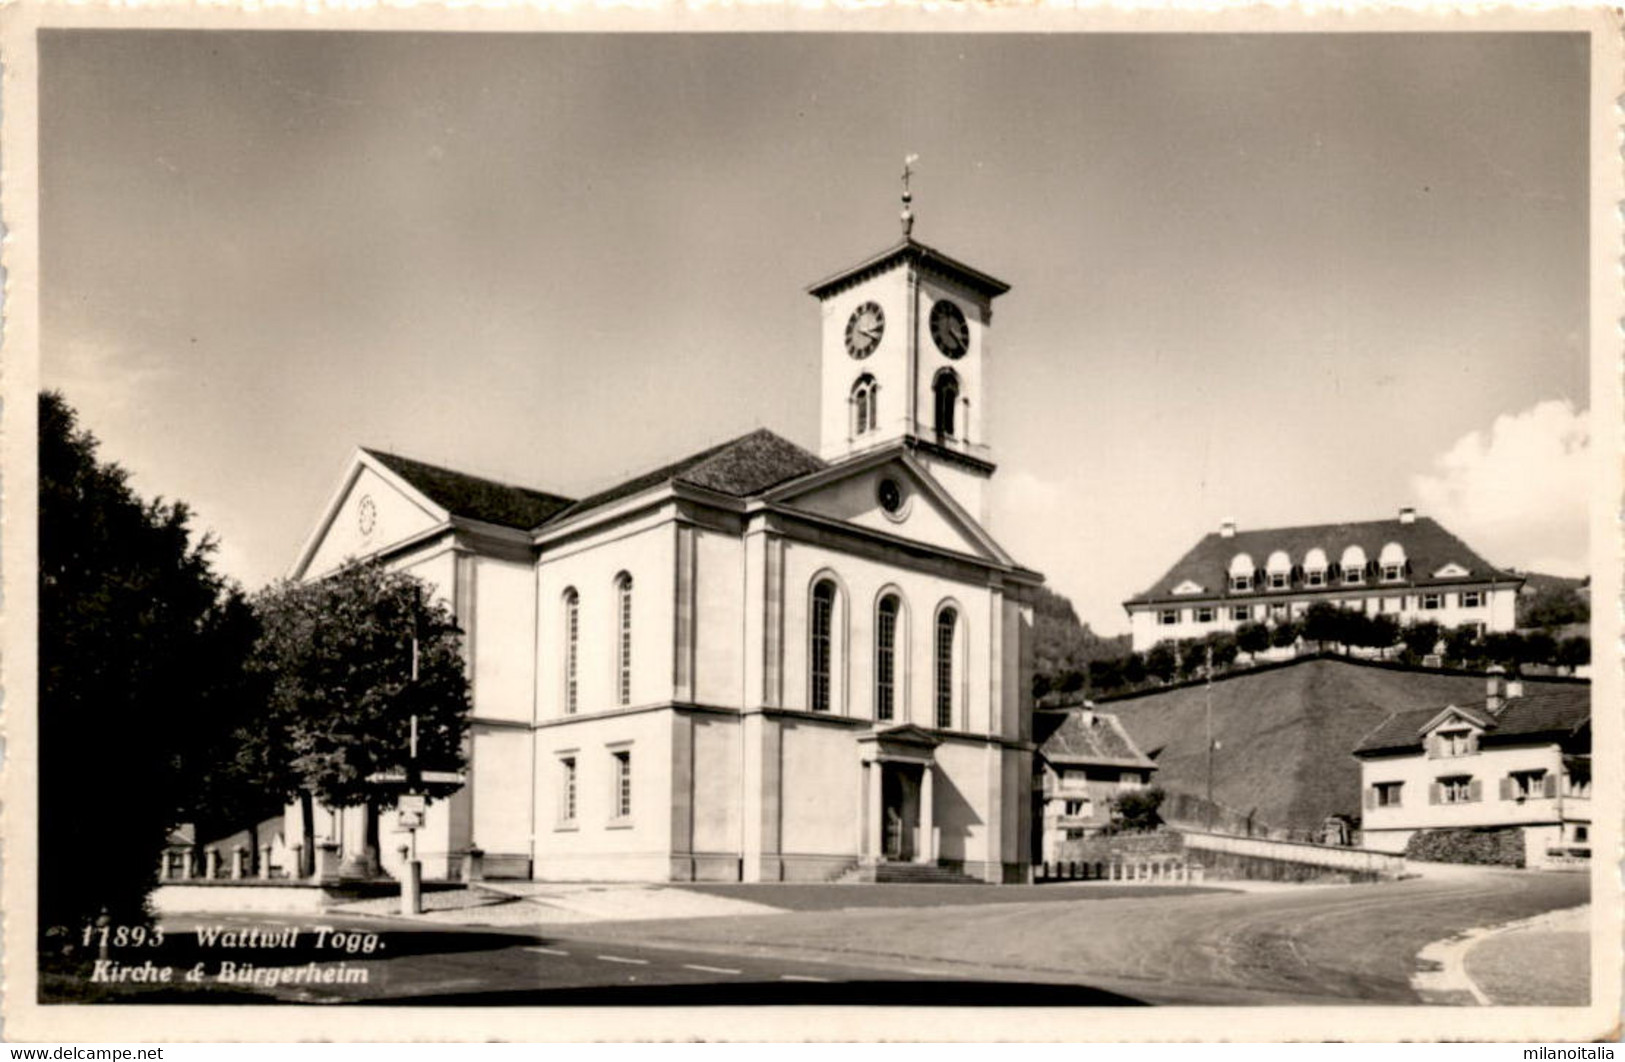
910, 873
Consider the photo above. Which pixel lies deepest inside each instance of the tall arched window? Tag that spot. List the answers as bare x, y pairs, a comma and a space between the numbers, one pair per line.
947, 621
946, 389
821, 651
864, 418
886, 657
572, 646
623, 639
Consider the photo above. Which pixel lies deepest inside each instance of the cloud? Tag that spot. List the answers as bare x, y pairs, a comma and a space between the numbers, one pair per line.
1519, 495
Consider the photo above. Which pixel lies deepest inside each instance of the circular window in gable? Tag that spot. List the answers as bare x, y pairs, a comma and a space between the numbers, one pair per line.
893, 499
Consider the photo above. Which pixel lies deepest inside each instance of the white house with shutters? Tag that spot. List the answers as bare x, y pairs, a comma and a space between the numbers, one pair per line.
1510, 760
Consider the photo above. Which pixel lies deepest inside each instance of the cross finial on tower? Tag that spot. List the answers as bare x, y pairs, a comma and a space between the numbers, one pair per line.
908, 196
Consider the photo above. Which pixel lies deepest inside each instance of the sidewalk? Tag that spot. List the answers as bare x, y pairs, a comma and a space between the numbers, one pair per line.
1545, 961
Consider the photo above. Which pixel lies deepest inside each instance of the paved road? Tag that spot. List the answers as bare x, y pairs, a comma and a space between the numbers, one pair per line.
1316, 945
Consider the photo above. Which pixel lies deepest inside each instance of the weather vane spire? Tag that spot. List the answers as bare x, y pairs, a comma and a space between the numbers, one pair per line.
908, 196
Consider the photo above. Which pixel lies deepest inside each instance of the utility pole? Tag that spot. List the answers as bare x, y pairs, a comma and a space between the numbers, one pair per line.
412, 809
1208, 668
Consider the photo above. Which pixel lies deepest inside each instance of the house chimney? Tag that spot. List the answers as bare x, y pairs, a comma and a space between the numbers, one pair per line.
1407, 515
1514, 688
1227, 529
1494, 692
1087, 715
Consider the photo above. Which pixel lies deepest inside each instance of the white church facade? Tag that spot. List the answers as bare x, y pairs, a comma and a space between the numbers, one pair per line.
755, 663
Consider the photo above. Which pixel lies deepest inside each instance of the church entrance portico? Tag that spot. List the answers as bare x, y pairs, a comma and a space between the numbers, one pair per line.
897, 817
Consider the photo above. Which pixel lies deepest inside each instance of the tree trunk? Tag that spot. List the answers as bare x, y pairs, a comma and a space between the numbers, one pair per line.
374, 860
307, 827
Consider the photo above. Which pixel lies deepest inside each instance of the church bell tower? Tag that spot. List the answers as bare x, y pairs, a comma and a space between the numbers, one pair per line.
905, 360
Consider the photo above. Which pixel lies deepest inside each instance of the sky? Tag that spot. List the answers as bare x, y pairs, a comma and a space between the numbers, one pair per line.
1285, 279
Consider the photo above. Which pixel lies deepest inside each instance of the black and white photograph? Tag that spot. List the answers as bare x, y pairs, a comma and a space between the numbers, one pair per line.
739, 520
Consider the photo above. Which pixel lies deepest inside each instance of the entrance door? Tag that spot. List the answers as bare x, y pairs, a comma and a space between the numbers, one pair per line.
900, 811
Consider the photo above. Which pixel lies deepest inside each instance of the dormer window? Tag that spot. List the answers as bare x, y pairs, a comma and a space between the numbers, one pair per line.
1392, 562
1187, 587
1353, 566
1451, 571
1241, 573
1454, 742
1315, 567
1279, 569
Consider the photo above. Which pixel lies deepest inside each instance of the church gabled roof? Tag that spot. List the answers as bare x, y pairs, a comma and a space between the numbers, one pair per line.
739, 468
910, 249
474, 497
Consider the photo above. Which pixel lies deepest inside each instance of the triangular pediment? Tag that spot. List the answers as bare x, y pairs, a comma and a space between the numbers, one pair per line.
1454, 716
1187, 587
1451, 571
893, 494
372, 510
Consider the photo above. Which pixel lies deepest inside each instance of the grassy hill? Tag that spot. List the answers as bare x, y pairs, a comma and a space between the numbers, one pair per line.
1285, 733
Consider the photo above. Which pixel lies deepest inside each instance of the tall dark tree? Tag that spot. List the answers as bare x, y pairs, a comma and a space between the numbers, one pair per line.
1574, 652
337, 656
1422, 637
135, 645
1253, 637
1325, 622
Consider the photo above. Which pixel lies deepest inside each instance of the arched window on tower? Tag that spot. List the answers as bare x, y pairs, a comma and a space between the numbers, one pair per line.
572, 647
623, 639
946, 389
864, 411
821, 647
886, 657
947, 622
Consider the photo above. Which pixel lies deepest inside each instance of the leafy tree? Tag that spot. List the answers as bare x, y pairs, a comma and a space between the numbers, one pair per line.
1041, 685
338, 657
1106, 674
1072, 681
1285, 633
1134, 671
1253, 638
1503, 647
1538, 648
1377, 632
1462, 645
1325, 622
1062, 642
1552, 605
1160, 662
1422, 637
1224, 647
1192, 656
1574, 652
136, 649
1137, 810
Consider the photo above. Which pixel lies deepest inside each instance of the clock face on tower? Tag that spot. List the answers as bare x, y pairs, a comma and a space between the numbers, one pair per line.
864, 329
949, 329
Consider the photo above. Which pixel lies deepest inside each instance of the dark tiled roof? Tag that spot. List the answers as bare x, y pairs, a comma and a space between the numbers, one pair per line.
739, 467
1069, 737
473, 497
911, 249
1428, 547
1556, 711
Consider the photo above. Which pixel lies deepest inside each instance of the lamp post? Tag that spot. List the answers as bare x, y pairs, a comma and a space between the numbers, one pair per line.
411, 812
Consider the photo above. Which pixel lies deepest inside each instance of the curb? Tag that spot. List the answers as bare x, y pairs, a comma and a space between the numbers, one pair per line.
1441, 967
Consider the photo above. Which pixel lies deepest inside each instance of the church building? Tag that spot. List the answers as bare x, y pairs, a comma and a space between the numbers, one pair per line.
752, 664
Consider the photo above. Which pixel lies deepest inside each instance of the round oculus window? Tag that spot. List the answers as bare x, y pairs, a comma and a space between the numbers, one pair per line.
367, 514
890, 495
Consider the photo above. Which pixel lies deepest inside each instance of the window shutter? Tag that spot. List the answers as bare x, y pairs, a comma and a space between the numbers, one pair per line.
1549, 785
1506, 788
1371, 797
1433, 792
1472, 742
1475, 791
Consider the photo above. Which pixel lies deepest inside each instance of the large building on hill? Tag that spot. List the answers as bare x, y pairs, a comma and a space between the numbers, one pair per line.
1409, 567
1514, 758
754, 663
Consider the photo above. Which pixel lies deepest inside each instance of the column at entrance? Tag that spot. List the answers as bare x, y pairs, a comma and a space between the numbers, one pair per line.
926, 851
